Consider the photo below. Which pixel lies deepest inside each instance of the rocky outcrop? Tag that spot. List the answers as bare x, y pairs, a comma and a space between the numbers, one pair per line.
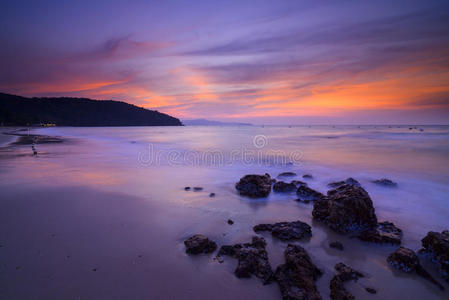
286, 230
198, 244
384, 233
406, 260
287, 174
385, 182
347, 208
283, 187
307, 194
252, 259
254, 186
349, 180
296, 278
299, 183
437, 245
344, 273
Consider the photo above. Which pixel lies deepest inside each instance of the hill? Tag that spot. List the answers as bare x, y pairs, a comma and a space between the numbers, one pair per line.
65, 111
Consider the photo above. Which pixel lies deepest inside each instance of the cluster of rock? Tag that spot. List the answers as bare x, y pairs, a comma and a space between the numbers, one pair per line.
344, 273
198, 244
286, 230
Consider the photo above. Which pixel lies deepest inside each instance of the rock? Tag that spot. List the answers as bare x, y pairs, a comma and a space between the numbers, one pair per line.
385, 182
252, 259
306, 193
287, 174
212, 195
197, 188
230, 222
346, 209
406, 260
371, 290
384, 233
336, 245
307, 176
344, 273
349, 180
299, 183
282, 187
187, 188
296, 278
198, 243
286, 230
254, 186
273, 180
437, 245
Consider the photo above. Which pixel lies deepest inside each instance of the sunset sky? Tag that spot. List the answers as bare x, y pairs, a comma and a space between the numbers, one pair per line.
265, 62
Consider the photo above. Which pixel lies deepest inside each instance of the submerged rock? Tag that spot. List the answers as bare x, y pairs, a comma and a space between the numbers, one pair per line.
212, 195
286, 230
307, 176
437, 245
254, 186
347, 208
344, 273
371, 290
349, 180
287, 174
406, 260
305, 193
230, 222
296, 278
197, 188
283, 187
336, 245
187, 188
385, 182
385, 232
199, 243
252, 259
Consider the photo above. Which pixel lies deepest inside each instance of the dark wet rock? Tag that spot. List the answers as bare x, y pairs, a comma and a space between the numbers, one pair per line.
212, 195
384, 233
344, 273
299, 183
349, 180
273, 180
187, 188
436, 244
254, 186
307, 176
371, 290
406, 260
197, 188
347, 208
286, 230
252, 259
287, 174
297, 276
336, 245
306, 193
198, 243
283, 187
385, 182
230, 222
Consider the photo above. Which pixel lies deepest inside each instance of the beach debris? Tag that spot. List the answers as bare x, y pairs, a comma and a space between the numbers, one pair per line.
187, 188
306, 193
283, 187
370, 290
344, 274
385, 182
212, 195
254, 186
297, 276
198, 244
252, 259
230, 222
384, 233
197, 188
349, 180
406, 260
347, 208
286, 230
307, 176
436, 244
336, 245
287, 174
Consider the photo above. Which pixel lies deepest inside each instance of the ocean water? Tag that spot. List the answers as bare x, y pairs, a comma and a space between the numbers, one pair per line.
154, 164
